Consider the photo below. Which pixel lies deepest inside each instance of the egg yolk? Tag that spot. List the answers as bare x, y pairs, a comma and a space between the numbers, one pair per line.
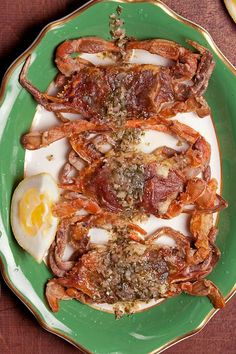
35, 212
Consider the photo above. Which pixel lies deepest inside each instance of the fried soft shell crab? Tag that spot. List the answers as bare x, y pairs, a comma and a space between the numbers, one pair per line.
121, 98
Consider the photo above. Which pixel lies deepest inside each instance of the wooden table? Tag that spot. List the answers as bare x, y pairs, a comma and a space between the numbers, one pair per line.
21, 21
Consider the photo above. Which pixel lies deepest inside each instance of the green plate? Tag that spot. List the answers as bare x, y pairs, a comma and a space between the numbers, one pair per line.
87, 328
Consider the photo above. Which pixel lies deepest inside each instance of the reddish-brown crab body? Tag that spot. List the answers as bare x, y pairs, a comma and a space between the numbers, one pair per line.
161, 192
161, 183
135, 90
138, 90
127, 271
155, 189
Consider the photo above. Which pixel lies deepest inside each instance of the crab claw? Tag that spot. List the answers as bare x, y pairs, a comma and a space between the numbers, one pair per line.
68, 65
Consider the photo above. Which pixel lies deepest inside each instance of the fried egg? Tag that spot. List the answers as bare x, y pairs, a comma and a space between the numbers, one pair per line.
32, 221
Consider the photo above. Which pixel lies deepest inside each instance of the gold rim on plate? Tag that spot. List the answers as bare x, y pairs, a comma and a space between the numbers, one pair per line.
50, 26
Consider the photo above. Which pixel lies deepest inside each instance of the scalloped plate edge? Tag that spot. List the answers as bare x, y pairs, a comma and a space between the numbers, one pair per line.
4, 83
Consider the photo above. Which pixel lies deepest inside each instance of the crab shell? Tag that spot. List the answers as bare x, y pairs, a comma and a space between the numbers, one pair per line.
128, 271
135, 89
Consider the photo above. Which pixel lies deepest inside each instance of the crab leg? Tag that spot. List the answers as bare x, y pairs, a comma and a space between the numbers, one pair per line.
64, 177
204, 195
75, 160
61, 118
204, 287
202, 257
202, 229
199, 152
195, 104
51, 103
84, 148
62, 239
68, 208
189, 65
38, 139
91, 149
171, 127
187, 61
204, 69
81, 229
54, 293
52, 262
68, 65
199, 193
58, 266
176, 235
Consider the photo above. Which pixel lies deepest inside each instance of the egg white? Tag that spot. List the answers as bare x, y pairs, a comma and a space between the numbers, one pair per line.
38, 244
